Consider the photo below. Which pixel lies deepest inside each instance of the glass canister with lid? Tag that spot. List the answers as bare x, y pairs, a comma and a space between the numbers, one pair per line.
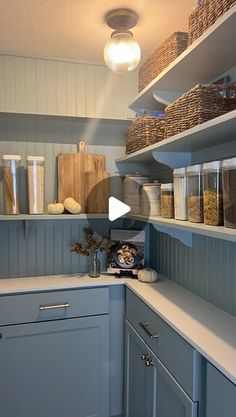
131, 191
229, 192
35, 171
151, 199
195, 194
11, 182
212, 193
180, 193
167, 200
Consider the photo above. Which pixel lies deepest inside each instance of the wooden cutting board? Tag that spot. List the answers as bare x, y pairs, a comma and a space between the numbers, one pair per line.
71, 173
97, 190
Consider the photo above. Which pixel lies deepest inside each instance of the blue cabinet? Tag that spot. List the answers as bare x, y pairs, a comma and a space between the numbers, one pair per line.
220, 394
58, 366
151, 390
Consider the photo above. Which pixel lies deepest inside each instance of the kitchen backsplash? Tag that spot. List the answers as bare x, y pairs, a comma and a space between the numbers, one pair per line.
208, 268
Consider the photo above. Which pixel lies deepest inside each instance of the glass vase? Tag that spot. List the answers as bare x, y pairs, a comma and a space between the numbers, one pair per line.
94, 270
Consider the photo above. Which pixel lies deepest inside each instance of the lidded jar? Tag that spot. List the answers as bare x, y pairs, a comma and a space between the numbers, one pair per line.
35, 171
11, 183
151, 199
180, 193
167, 200
229, 192
212, 193
195, 194
131, 191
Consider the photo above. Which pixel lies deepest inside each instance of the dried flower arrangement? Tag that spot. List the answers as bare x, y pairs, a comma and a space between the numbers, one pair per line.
92, 245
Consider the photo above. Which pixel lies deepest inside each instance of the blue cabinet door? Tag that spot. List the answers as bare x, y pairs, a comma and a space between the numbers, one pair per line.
140, 380
55, 369
220, 394
151, 391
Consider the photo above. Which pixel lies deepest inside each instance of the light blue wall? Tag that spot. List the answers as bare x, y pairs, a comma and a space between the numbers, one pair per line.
208, 268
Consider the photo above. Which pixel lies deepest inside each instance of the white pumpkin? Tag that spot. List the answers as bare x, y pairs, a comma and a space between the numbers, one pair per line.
55, 208
72, 206
147, 275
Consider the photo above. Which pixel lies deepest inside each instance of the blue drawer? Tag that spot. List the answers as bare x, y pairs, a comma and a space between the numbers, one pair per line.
26, 308
181, 359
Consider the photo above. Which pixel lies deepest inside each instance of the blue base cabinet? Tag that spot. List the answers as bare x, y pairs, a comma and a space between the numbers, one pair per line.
220, 394
57, 366
151, 390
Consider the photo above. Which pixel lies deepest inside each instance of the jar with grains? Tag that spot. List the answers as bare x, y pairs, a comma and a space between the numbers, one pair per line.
35, 171
195, 194
11, 179
180, 193
131, 191
151, 199
167, 200
212, 193
229, 192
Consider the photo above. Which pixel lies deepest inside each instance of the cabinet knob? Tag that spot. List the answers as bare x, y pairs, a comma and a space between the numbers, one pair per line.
149, 362
144, 356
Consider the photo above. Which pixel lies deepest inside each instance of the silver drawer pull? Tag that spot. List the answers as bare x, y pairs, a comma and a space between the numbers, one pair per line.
147, 330
54, 306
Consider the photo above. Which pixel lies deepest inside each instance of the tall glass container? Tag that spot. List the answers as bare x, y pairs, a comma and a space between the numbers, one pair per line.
229, 192
195, 194
180, 193
213, 193
11, 179
167, 200
35, 170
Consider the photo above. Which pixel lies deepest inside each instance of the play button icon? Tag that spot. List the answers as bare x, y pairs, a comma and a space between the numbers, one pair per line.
117, 209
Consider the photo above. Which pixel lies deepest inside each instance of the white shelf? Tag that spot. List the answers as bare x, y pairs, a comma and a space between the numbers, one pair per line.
209, 56
53, 216
218, 232
215, 132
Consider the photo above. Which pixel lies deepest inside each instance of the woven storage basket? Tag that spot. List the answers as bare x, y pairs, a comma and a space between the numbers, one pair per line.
200, 104
144, 131
205, 15
162, 57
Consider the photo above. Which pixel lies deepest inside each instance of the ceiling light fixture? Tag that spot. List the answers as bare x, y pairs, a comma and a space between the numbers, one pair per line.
122, 53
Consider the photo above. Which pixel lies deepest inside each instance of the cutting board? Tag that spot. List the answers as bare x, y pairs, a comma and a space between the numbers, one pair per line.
97, 189
71, 173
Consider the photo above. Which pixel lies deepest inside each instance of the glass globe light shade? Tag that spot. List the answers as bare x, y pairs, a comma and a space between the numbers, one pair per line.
122, 53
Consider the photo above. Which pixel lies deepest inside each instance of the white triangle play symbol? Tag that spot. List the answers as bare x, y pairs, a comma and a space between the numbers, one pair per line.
117, 209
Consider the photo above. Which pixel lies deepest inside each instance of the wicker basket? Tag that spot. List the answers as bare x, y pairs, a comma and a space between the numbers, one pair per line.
144, 131
205, 15
200, 104
162, 57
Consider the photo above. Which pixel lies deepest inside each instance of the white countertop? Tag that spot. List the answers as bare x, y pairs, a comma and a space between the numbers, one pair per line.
55, 282
207, 328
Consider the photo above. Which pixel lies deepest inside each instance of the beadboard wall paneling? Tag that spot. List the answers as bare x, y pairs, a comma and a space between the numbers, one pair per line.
50, 151
46, 250
208, 268
44, 86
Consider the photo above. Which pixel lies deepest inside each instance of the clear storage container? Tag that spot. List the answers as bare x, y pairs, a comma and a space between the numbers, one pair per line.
180, 193
229, 192
151, 199
212, 193
131, 190
167, 200
195, 194
11, 178
35, 171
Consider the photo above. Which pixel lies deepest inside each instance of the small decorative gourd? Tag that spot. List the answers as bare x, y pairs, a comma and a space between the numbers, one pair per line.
147, 275
55, 208
72, 206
